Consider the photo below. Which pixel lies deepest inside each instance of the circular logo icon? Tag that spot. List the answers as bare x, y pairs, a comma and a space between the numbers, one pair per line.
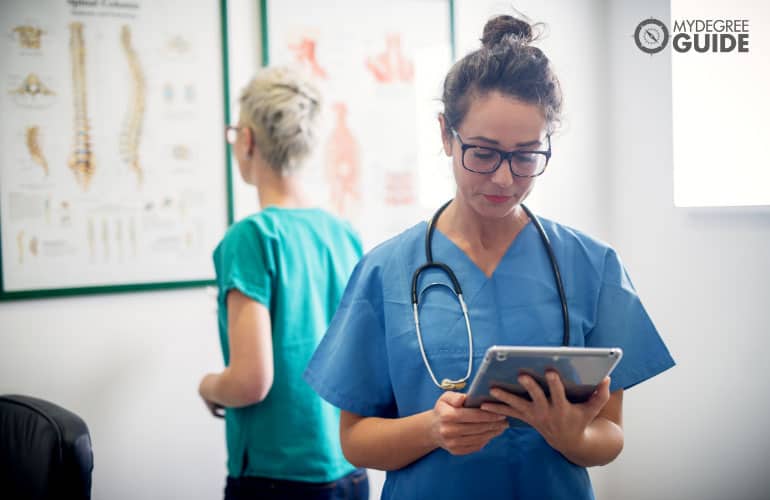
651, 36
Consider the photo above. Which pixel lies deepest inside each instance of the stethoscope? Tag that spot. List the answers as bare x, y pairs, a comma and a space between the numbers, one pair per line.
454, 384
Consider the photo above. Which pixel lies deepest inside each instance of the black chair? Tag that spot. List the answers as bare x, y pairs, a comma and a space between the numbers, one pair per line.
45, 451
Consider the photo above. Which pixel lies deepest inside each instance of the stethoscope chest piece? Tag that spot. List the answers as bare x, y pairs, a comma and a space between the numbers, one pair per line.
448, 385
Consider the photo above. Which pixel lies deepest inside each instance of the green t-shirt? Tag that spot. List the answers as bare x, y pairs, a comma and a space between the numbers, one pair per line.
296, 262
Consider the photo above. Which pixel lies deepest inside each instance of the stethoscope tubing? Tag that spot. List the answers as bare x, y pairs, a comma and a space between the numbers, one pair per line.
556, 274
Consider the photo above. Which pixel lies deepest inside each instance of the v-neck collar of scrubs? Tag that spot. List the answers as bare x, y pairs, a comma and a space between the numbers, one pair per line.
470, 264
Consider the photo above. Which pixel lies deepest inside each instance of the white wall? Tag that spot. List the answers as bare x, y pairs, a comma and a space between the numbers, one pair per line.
700, 430
129, 365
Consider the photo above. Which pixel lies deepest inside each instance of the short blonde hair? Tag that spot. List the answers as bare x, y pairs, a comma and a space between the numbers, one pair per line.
282, 107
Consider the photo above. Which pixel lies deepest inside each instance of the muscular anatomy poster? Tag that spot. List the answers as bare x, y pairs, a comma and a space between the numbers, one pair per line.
111, 151
381, 67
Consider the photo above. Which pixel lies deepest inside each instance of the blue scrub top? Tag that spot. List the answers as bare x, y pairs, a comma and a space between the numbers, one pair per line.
369, 362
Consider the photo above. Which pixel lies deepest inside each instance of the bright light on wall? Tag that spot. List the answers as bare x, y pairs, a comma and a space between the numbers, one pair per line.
721, 109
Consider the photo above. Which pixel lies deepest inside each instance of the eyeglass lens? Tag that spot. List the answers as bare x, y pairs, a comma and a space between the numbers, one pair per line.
480, 159
231, 134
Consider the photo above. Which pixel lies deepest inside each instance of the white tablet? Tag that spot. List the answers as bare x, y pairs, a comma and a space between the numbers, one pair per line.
581, 370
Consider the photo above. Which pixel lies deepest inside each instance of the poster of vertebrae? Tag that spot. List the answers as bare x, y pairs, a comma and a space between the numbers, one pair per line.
380, 66
111, 151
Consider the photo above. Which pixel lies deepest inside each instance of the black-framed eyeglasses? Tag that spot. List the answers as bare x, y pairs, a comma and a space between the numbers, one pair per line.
231, 133
485, 160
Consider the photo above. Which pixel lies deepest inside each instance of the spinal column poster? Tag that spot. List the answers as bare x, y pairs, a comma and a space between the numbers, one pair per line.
112, 158
380, 65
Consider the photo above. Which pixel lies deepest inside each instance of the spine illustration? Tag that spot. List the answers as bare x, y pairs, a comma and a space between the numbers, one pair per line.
132, 125
343, 164
33, 146
81, 160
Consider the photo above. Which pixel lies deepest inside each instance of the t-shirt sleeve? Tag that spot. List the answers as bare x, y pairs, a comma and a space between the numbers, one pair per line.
244, 261
349, 369
621, 321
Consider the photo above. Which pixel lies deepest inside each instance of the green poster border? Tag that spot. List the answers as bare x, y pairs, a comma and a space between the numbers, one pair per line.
108, 289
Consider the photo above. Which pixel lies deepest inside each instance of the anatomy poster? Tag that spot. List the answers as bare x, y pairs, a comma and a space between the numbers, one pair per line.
111, 151
381, 67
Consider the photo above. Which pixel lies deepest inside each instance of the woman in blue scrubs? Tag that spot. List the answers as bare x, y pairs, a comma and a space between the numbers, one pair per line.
501, 104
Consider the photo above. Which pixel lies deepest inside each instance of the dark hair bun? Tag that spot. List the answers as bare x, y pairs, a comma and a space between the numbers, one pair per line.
500, 27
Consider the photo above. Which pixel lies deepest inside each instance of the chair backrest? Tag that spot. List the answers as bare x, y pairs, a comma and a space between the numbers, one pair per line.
45, 451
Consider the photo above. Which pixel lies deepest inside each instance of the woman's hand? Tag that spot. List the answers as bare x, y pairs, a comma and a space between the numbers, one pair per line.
561, 423
461, 430
214, 408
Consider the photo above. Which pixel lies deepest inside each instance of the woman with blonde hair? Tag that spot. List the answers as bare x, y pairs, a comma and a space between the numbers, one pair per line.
280, 275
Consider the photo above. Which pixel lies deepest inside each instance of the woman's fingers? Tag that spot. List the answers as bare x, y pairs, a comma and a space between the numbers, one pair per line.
454, 399
504, 410
556, 390
534, 390
600, 397
474, 416
462, 445
464, 430
449, 407
450, 429
519, 404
